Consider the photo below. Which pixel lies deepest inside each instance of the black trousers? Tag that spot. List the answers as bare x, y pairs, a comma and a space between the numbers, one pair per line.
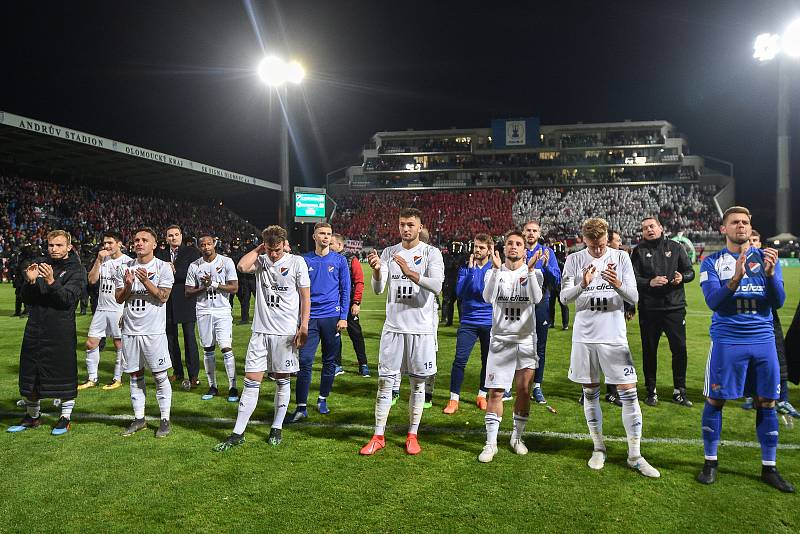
357, 337
246, 290
448, 307
189, 345
554, 293
672, 323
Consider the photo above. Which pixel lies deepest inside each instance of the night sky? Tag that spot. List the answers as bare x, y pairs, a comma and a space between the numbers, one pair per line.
178, 76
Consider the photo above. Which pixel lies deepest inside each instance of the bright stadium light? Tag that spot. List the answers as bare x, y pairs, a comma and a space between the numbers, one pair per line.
791, 39
766, 47
275, 72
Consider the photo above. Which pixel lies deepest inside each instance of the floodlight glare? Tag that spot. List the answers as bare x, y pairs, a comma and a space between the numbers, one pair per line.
766, 47
295, 72
272, 71
791, 39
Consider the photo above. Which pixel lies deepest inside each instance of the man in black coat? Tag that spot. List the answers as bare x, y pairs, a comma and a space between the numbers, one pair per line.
48, 367
180, 309
662, 267
247, 281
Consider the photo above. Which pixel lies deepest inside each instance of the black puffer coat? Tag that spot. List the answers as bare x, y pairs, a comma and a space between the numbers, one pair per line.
48, 367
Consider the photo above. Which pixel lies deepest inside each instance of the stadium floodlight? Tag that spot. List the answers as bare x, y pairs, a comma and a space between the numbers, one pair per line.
766, 47
275, 72
790, 43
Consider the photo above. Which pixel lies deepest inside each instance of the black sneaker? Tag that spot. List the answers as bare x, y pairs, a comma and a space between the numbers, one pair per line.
233, 395
770, 475
163, 429
651, 400
580, 399
274, 438
210, 394
61, 426
709, 473
680, 398
234, 440
613, 399
135, 426
26, 423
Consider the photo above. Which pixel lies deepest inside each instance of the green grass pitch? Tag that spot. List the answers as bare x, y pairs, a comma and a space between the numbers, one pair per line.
93, 479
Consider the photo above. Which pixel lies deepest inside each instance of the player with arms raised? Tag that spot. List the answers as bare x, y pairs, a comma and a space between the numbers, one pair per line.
513, 290
212, 279
413, 272
600, 280
143, 285
280, 328
742, 285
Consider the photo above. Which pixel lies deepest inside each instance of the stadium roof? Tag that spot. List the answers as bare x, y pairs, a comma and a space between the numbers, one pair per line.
30, 142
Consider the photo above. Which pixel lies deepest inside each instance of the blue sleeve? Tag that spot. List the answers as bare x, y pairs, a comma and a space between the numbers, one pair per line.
479, 282
552, 274
714, 290
776, 294
344, 288
463, 275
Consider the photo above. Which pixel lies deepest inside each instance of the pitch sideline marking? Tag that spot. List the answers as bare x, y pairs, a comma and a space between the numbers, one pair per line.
430, 430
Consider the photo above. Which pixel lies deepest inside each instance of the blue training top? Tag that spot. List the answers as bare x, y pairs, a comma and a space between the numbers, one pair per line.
330, 285
744, 316
469, 289
551, 272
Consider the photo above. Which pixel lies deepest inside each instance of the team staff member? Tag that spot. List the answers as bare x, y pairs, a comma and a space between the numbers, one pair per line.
47, 364
330, 304
662, 268
181, 309
247, 282
356, 294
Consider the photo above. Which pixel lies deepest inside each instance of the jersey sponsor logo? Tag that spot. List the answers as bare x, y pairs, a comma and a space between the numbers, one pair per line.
417, 260
600, 287
521, 298
279, 288
399, 277
285, 271
753, 288
726, 268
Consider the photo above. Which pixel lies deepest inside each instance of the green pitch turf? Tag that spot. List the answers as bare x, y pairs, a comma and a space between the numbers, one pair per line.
93, 479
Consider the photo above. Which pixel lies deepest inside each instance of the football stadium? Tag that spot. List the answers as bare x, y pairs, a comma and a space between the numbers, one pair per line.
524, 325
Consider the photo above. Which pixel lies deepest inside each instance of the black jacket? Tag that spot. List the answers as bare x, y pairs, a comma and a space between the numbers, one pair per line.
47, 364
180, 308
661, 257
792, 347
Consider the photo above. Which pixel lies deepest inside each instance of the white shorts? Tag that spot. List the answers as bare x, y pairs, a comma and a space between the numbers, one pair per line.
149, 351
589, 360
271, 354
215, 329
105, 324
505, 359
413, 354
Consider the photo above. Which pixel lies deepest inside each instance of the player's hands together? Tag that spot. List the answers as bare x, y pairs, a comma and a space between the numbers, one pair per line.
496, 263
770, 260
738, 272
471, 263
206, 280
301, 337
659, 281
141, 274
341, 325
677, 279
129, 278
374, 260
545, 257
32, 272
610, 275
588, 276
46, 271
536, 257
402, 263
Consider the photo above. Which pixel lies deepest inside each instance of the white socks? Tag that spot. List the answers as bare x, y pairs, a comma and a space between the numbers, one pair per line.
211, 368
632, 420
230, 368
92, 362
138, 391
492, 421
519, 426
66, 408
283, 392
383, 402
163, 393
415, 403
454, 396
594, 416
118, 366
247, 405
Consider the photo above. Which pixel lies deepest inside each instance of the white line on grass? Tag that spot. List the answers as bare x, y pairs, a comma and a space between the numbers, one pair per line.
402, 428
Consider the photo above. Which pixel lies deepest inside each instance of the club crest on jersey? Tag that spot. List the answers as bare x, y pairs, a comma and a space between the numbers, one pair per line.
284, 271
330, 268
754, 266
219, 269
523, 281
668, 253
417, 260
151, 276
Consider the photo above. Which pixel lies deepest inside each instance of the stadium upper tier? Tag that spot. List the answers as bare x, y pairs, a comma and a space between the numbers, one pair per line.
31, 208
459, 215
521, 152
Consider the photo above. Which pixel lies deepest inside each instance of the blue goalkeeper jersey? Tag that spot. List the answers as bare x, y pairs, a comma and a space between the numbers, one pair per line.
330, 285
743, 316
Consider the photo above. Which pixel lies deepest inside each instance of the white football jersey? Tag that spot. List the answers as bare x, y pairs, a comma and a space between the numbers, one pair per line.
277, 297
599, 309
144, 314
106, 301
410, 309
221, 270
513, 296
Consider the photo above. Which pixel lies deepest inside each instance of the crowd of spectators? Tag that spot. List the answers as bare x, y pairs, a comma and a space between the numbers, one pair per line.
31, 208
688, 208
423, 145
619, 138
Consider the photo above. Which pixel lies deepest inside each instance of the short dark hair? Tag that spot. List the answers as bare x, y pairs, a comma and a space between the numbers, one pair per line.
736, 209
173, 227
407, 213
483, 238
274, 235
322, 224
611, 233
339, 237
208, 235
755, 233
654, 217
532, 221
148, 230
514, 232
116, 236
